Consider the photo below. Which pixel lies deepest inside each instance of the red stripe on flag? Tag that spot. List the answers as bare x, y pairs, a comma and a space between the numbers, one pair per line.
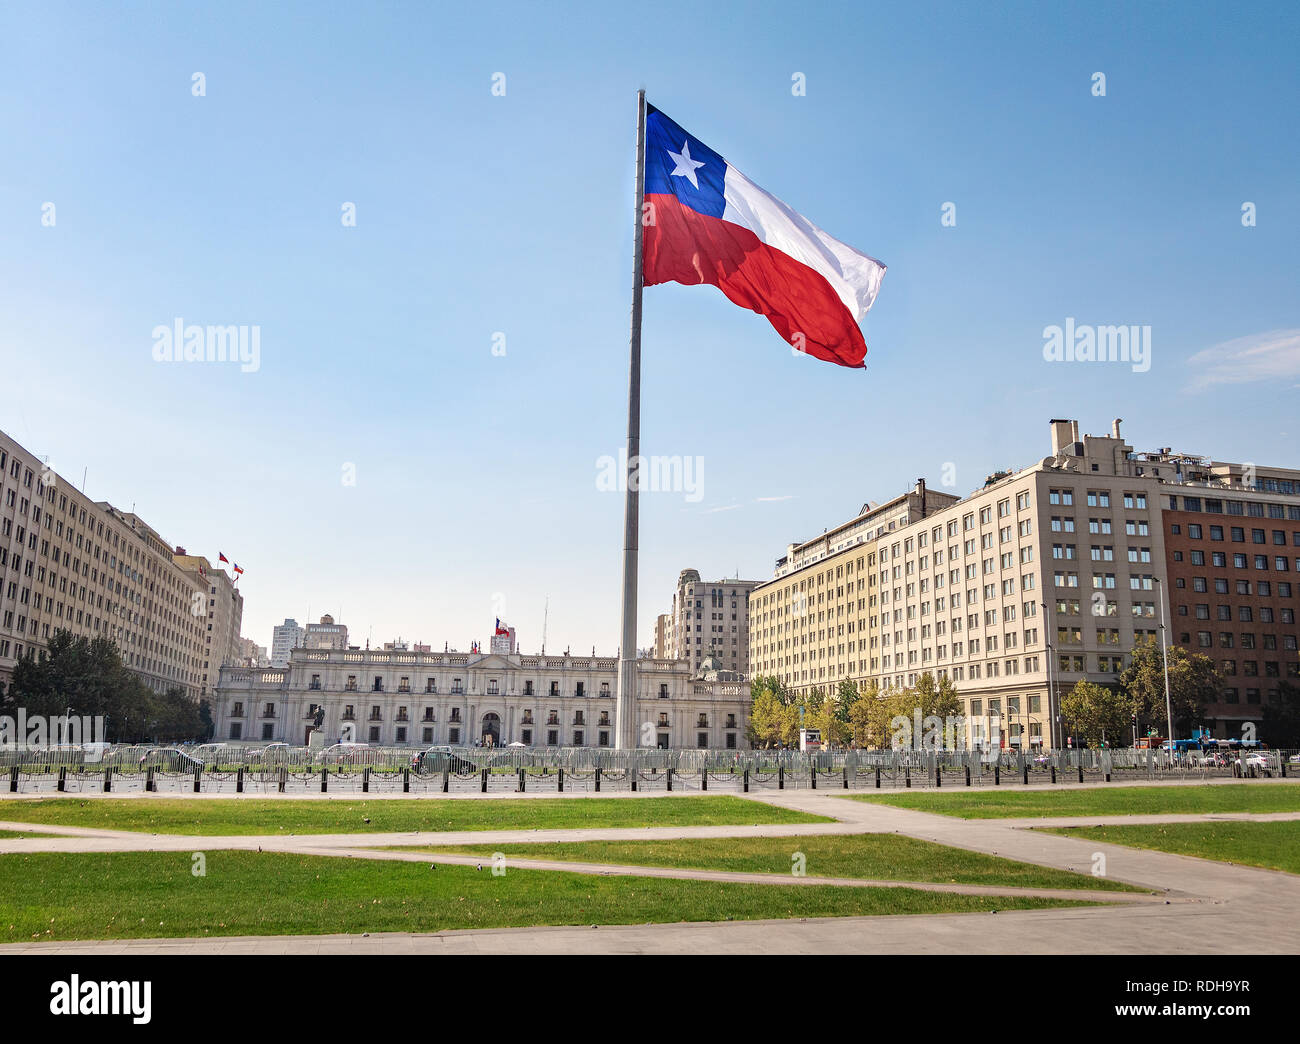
685, 246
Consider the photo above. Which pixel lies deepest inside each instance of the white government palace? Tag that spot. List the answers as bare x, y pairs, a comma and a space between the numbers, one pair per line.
420, 699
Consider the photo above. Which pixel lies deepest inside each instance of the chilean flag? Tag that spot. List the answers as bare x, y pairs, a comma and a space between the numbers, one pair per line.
705, 222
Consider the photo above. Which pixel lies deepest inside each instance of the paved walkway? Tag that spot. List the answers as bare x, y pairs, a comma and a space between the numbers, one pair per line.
1203, 906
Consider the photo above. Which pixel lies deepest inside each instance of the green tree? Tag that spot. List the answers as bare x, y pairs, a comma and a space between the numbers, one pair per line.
1096, 711
865, 717
769, 683
206, 725
771, 722
846, 695
1194, 682
86, 676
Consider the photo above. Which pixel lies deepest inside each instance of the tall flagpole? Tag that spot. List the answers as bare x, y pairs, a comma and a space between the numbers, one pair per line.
626, 733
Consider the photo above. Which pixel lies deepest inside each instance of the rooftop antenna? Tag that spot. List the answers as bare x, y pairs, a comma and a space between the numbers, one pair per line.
84, 472
546, 612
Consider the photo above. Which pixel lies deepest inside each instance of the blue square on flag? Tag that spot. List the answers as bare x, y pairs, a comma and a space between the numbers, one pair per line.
681, 165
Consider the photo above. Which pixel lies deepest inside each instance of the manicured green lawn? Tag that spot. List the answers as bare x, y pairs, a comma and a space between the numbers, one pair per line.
288, 816
879, 857
154, 894
1273, 845
1253, 796
12, 833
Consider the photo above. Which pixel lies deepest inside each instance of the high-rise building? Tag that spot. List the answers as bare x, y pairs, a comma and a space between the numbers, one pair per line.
1043, 577
252, 655
1232, 554
811, 625
663, 636
284, 639
326, 635
709, 617
69, 562
224, 610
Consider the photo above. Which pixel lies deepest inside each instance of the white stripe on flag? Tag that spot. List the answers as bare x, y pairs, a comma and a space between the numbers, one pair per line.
854, 276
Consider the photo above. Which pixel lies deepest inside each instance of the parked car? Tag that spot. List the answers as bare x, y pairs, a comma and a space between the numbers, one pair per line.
170, 759
1259, 763
209, 753
343, 754
436, 758
272, 752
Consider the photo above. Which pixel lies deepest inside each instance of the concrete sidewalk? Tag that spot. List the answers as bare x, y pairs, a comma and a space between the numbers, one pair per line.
1237, 909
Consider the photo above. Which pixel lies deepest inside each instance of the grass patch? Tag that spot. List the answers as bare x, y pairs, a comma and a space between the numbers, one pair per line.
879, 857
1100, 801
131, 895
287, 816
1274, 846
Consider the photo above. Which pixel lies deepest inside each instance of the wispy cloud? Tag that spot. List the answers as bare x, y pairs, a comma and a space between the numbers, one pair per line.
770, 500
1270, 356
728, 507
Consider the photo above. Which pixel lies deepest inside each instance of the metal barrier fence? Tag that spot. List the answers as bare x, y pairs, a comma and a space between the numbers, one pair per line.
393, 770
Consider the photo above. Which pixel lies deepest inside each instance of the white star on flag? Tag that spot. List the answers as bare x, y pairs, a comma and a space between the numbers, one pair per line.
686, 166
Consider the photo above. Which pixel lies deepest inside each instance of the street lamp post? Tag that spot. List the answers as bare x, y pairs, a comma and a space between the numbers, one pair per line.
1164, 656
1052, 707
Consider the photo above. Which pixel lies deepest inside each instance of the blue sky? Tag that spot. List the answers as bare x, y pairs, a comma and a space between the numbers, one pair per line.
475, 487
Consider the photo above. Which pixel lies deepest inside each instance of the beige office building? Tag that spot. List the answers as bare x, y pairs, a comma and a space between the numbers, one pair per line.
814, 625
663, 636
326, 635
1040, 578
69, 562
